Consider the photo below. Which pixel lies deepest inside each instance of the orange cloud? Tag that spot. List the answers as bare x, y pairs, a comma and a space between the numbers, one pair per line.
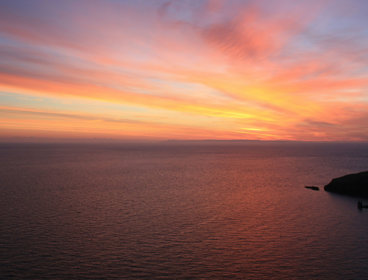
213, 70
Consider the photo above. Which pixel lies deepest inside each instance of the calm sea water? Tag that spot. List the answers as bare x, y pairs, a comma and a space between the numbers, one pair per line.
99, 211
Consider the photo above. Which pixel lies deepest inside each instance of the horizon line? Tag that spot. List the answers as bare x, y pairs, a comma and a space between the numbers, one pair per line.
61, 140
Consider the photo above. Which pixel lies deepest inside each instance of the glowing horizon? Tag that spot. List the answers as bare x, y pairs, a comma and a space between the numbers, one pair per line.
266, 70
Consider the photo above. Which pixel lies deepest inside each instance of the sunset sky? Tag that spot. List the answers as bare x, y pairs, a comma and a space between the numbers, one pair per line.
184, 69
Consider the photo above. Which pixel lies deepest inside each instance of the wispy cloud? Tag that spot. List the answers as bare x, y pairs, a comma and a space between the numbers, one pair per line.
243, 69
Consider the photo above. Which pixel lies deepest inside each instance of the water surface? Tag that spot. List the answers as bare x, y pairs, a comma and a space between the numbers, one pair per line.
175, 211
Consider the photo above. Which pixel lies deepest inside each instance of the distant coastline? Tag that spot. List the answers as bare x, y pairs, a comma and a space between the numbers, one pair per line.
352, 184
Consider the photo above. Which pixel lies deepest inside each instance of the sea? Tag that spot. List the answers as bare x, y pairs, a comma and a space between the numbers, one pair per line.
180, 210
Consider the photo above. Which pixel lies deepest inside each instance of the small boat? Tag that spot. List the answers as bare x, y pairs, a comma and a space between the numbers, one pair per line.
312, 188
361, 206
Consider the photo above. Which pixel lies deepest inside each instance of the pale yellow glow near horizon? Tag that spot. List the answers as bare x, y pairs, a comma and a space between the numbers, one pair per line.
184, 70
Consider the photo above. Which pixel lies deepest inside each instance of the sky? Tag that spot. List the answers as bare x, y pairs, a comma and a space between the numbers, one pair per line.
184, 69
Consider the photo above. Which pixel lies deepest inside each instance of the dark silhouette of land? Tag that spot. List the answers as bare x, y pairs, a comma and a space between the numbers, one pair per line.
352, 184
314, 188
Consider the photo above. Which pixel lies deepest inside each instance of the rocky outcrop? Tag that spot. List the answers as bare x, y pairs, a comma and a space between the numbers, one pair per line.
314, 188
352, 184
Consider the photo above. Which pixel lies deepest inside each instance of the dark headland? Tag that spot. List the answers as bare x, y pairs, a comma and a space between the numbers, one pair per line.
352, 184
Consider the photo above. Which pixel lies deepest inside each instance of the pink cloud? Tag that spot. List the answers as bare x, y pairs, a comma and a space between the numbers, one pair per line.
248, 66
